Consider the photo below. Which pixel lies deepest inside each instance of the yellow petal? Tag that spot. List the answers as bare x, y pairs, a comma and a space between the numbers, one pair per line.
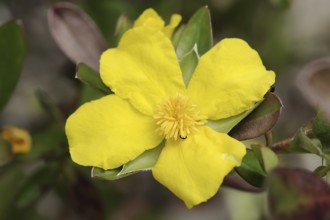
194, 168
143, 69
108, 132
174, 22
150, 18
229, 79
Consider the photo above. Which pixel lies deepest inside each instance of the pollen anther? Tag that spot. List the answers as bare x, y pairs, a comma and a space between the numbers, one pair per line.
177, 117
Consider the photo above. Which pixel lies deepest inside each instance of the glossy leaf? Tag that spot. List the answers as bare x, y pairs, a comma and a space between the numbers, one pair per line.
76, 34
6, 154
226, 124
91, 78
321, 129
88, 94
258, 162
143, 162
251, 169
12, 50
261, 120
314, 83
197, 33
322, 170
188, 64
177, 35
298, 194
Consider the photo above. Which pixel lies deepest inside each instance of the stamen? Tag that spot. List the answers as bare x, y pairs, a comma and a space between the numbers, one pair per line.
177, 117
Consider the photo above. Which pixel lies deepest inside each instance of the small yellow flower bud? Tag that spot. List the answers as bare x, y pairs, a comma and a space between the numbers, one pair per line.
19, 139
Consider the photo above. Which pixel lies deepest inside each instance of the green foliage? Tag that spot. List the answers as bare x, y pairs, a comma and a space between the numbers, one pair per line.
321, 129
188, 64
21, 191
197, 35
90, 77
12, 49
256, 164
144, 162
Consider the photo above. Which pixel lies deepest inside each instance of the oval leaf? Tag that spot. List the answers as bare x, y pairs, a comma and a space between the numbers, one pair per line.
261, 120
322, 171
314, 83
76, 34
144, 162
188, 64
321, 129
12, 50
197, 32
251, 169
226, 124
87, 75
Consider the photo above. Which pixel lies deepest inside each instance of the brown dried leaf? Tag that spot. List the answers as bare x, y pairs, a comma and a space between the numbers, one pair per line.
261, 120
76, 34
298, 194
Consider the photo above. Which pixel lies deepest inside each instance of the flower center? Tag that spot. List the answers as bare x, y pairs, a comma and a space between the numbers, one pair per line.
177, 117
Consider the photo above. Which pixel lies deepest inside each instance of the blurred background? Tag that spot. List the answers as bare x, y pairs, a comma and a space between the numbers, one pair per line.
45, 184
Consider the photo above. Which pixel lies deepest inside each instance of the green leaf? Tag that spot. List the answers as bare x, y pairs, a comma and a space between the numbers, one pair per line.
90, 77
143, 162
225, 125
177, 35
321, 129
88, 94
106, 174
261, 120
12, 50
197, 33
322, 170
303, 144
6, 154
188, 64
251, 169
269, 158
256, 164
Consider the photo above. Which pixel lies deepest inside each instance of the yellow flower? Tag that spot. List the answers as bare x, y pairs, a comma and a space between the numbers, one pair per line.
19, 139
151, 103
150, 18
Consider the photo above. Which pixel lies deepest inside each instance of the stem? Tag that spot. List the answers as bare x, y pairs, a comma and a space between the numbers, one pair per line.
282, 145
269, 138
